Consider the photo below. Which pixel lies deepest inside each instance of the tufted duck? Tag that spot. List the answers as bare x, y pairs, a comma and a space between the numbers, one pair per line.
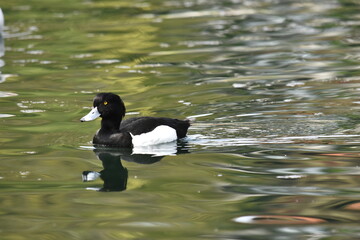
132, 132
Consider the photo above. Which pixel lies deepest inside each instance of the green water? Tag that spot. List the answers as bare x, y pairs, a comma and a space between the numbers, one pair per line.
272, 88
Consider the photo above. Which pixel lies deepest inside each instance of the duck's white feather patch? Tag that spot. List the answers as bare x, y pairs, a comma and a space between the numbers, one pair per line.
161, 134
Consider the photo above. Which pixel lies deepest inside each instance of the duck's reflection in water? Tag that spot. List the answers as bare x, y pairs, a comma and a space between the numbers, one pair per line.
115, 175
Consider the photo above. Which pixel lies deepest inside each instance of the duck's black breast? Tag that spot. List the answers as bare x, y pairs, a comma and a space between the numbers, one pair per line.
139, 125
119, 139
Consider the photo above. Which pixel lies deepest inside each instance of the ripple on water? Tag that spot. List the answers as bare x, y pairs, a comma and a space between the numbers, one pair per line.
7, 94
205, 141
6, 115
278, 219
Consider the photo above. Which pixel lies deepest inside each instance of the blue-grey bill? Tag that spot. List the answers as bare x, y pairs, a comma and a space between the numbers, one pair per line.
92, 115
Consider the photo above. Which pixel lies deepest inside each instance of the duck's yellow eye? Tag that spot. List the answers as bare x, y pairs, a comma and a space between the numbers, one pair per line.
105, 103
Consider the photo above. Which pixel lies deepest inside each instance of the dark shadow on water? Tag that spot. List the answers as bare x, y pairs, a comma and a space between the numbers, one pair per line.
115, 175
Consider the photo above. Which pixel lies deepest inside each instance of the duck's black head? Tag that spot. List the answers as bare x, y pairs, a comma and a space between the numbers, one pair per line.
107, 106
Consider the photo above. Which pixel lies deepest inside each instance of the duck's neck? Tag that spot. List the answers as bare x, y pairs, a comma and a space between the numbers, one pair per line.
110, 125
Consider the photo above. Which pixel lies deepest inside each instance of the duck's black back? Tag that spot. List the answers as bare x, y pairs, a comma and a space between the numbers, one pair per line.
139, 125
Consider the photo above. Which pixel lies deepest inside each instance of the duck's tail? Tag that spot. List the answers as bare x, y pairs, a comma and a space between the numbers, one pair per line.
182, 127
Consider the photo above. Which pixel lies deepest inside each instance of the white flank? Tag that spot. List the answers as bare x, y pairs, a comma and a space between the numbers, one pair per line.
92, 115
161, 134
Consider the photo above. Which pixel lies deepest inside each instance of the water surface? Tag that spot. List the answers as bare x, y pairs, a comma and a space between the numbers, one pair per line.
272, 90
